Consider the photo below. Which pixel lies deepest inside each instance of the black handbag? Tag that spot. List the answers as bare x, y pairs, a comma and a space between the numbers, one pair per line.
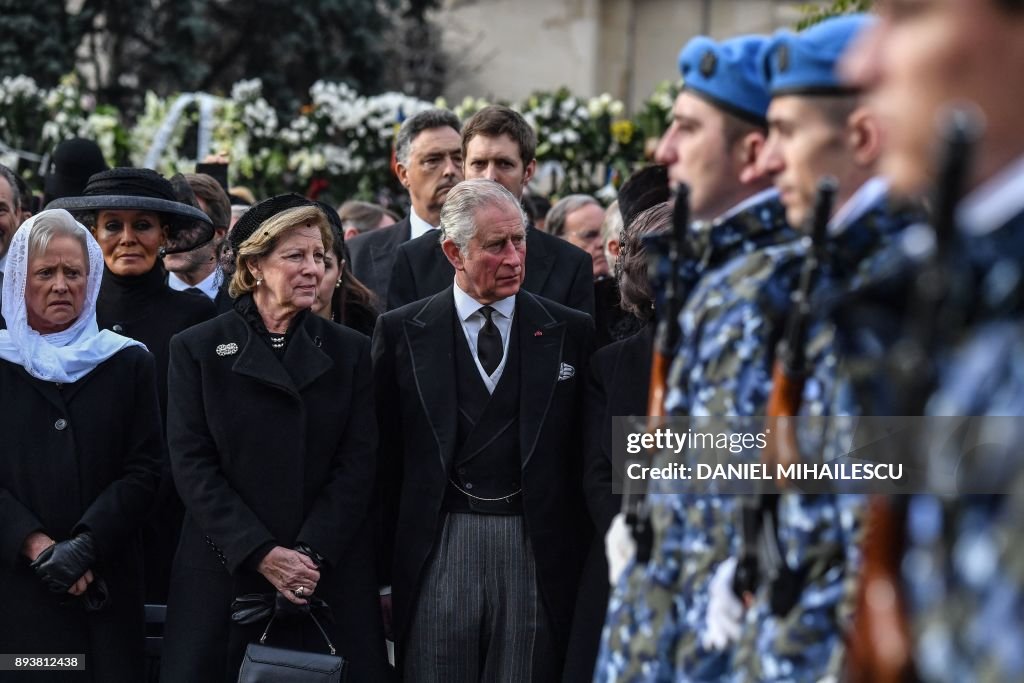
264, 664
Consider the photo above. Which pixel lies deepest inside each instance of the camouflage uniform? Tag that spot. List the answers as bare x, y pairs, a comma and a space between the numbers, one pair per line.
963, 568
819, 534
748, 264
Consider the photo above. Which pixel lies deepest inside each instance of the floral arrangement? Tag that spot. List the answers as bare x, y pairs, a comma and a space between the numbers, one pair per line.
340, 140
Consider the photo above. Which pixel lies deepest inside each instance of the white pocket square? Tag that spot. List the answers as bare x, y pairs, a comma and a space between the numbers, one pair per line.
565, 372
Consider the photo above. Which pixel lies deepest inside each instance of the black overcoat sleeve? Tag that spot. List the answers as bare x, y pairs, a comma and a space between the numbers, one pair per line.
116, 512
340, 509
210, 499
390, 448
18, 522
581, 295
597, 464
402, 286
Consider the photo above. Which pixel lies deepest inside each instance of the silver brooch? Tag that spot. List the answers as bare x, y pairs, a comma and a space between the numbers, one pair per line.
565, 371
227, 349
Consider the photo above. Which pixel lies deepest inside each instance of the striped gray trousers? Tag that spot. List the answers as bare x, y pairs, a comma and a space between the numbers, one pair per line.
479, 616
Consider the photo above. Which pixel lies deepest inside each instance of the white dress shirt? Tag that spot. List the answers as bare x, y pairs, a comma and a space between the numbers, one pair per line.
209, 285
472, 319
418, 226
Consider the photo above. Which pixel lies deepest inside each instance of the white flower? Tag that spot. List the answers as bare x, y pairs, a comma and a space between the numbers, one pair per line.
51, 131
247, 90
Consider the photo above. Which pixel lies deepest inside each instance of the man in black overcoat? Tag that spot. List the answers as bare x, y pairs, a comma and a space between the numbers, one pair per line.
479, 392
498, 144
429, 163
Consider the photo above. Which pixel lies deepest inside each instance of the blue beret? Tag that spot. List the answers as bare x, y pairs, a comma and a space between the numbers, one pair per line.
727, 74
805, 63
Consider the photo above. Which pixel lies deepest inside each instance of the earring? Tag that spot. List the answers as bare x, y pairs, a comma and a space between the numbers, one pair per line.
338, 283
259, 281
161, 252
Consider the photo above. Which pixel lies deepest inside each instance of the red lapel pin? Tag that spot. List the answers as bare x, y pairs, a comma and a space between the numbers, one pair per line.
538, 333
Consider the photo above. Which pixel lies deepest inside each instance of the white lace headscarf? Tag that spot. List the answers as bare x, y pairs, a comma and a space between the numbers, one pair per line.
62, 356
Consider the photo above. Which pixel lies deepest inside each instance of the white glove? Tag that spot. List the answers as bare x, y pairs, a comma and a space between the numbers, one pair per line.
725, 610
619, 548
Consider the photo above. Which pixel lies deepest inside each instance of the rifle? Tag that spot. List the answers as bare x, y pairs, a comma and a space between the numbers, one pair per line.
666, 338
880, 647
789, 371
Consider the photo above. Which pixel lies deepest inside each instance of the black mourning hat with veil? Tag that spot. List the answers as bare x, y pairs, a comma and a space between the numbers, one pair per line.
142, 189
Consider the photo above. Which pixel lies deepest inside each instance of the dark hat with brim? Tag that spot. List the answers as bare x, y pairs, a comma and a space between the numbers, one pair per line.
130, 189
252, 219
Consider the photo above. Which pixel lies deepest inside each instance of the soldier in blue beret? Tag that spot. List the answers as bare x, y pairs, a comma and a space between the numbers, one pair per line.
744, 258
818, 126
962, 567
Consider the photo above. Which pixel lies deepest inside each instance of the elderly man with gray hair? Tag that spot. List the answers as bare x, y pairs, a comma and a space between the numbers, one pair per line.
577, 219
478, 390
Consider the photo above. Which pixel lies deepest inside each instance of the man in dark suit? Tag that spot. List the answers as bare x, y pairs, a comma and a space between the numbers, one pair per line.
498, 144
198, 271
429, 158
479, 390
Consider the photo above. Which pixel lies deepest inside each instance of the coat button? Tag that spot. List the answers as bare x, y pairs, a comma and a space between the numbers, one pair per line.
469, 486
117, 328
60, 424
462, 471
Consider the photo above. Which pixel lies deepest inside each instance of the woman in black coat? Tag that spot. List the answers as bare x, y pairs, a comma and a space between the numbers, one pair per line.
617, 386
80, 461
272, 437
134, 215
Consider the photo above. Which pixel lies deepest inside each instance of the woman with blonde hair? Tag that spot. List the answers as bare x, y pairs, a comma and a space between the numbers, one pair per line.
272, 442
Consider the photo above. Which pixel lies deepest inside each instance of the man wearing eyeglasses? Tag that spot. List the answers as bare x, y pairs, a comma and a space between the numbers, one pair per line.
497, 144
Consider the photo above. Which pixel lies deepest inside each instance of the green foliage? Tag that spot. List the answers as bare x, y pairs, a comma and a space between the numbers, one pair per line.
39, 39
207, 45
814, 14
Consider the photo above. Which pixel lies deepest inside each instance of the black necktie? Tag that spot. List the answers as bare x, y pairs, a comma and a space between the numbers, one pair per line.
488, 343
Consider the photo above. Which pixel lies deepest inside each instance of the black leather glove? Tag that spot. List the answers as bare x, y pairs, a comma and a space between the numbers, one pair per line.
62, 564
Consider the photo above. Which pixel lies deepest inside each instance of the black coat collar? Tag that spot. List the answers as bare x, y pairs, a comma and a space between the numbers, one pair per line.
303, 363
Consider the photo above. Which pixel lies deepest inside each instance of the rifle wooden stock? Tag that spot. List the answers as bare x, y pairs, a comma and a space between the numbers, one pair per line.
656, 391
789, 370
788, 375
880, 647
